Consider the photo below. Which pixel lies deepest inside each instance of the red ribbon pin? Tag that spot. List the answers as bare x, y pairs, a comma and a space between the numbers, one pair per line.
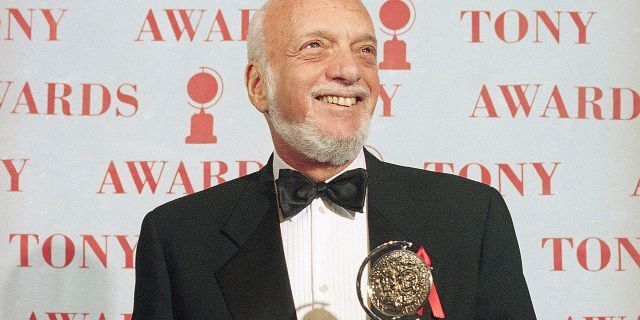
434, 300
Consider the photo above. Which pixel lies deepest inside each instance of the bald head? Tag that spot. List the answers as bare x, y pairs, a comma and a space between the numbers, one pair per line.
313, 72
270, 25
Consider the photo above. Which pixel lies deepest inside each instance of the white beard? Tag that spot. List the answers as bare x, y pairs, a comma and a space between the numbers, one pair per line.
309, 140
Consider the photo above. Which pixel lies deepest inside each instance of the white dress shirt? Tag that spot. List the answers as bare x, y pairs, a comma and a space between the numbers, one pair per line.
324, 247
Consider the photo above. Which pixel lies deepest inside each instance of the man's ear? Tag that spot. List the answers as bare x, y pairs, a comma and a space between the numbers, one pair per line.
256, 89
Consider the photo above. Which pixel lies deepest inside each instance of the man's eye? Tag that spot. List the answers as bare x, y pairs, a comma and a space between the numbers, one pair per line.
369, 50
312, 45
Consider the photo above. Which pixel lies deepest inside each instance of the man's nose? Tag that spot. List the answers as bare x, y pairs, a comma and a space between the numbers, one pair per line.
344, 68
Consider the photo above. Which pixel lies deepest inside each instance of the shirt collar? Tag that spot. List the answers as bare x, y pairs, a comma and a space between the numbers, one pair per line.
278, 164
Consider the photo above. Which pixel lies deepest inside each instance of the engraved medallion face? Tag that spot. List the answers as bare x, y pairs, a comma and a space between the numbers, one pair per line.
399, 283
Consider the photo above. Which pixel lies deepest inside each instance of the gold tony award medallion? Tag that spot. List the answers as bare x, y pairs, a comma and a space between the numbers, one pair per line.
399, 282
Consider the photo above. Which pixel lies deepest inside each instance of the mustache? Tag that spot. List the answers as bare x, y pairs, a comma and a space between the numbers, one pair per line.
336, 89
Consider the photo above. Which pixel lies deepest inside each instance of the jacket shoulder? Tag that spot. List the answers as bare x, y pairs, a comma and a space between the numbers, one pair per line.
207, 208
435, 182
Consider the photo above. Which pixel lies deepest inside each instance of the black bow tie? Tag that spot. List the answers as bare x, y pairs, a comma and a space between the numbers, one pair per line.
296, 191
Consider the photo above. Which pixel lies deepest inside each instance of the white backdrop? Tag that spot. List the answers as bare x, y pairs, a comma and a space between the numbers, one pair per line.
72, 169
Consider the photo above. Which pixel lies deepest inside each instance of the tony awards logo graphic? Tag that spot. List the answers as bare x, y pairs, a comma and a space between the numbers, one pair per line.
204, 89
398, 17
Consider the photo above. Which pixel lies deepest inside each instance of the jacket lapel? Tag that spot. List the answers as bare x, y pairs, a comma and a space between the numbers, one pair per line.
254, 279
393, 214
387, 218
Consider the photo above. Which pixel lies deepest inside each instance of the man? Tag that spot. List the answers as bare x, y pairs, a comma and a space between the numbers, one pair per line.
252, 249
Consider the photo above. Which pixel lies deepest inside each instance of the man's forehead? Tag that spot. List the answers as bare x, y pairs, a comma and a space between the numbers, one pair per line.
288, 17
289, 8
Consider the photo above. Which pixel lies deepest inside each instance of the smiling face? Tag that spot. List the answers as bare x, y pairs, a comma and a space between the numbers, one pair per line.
322, 59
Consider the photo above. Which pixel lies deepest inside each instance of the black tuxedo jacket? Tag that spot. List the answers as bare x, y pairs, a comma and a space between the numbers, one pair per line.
217, 254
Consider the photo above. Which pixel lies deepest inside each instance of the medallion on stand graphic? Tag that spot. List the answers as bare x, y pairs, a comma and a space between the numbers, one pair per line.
398, 16
204, 89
